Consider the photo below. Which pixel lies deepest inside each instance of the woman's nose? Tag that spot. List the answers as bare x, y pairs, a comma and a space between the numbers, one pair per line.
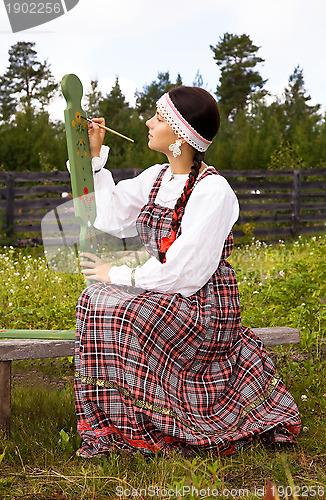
149, 122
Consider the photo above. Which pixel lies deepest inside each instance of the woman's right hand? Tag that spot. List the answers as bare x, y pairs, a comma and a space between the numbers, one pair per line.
96, 136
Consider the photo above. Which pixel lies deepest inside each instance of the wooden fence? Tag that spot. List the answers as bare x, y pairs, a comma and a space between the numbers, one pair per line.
274, 204
278, 204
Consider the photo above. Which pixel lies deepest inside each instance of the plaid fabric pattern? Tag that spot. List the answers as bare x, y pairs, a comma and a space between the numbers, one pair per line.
156, 371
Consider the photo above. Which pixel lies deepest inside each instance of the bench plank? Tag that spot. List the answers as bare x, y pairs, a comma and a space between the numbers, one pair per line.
28, 344
280, 335
37, 334
14, 349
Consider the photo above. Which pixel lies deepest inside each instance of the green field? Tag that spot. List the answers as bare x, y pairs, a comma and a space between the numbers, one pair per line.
280, 285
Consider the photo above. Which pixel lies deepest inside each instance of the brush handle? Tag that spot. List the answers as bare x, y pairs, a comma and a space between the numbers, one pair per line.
108, 129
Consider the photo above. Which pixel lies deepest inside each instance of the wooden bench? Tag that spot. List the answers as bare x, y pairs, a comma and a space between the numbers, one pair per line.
16, 349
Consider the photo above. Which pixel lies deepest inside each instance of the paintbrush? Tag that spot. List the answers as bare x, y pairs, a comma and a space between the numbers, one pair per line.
108, 129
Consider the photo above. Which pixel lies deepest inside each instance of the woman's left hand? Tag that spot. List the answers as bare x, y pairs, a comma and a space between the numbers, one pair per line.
95, 268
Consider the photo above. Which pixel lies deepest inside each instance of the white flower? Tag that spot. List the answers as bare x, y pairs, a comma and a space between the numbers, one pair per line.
255, 291
304, 397
305, 428
281, 273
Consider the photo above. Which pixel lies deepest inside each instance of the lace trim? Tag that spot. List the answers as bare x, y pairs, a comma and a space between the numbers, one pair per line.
179, 125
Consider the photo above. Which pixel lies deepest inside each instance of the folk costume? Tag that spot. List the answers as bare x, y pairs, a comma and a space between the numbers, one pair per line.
162, 359
166, 363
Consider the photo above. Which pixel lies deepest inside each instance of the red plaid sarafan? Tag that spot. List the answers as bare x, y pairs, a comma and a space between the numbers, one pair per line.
160, 371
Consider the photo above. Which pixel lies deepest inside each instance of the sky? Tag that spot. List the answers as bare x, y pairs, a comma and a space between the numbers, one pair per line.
134, 40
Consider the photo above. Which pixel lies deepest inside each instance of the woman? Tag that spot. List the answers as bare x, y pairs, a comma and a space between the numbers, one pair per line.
162, 360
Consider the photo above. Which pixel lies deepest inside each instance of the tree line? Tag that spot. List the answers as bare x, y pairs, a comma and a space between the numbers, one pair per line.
258, 130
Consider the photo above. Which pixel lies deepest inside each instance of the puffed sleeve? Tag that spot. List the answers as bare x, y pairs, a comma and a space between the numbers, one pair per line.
118, 205
210, 213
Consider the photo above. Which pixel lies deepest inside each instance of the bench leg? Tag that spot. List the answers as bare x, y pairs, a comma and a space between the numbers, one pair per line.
5, 395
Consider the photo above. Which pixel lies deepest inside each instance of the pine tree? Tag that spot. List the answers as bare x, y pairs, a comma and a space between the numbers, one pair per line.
93, 99
146, 100
27, 82
236, 57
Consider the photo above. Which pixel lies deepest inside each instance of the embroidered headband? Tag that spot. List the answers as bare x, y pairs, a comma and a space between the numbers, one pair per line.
179, 125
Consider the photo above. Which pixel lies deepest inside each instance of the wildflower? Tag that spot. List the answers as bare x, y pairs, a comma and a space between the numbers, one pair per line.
281, 273
256, 291
305, 428
10, 304
303, 304
304, 397
27, 287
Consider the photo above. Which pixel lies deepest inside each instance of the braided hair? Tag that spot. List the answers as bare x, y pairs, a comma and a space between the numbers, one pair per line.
201, 111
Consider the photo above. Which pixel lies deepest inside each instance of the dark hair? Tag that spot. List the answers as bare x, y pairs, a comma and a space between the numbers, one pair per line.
200, 110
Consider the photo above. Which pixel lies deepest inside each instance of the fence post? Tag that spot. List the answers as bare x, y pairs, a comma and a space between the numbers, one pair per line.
295, 204
10, 201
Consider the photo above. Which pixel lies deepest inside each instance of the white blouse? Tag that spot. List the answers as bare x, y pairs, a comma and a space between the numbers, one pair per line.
209, 215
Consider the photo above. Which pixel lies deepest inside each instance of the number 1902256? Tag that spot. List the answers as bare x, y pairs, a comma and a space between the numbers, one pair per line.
34, 8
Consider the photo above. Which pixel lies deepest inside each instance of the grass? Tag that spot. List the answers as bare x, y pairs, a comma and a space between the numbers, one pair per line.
281, 284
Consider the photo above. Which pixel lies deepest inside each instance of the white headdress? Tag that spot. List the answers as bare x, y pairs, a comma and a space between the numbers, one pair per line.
181, 127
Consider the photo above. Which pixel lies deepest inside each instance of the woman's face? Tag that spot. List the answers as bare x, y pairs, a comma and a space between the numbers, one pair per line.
160, 134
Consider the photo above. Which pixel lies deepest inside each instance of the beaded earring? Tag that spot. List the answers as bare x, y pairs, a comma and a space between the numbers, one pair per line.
175, 148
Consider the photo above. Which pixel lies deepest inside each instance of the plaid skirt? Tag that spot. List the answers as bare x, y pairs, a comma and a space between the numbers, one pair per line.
160, 371
154, 372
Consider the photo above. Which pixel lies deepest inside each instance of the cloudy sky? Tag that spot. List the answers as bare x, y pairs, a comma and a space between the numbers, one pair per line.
136, 39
